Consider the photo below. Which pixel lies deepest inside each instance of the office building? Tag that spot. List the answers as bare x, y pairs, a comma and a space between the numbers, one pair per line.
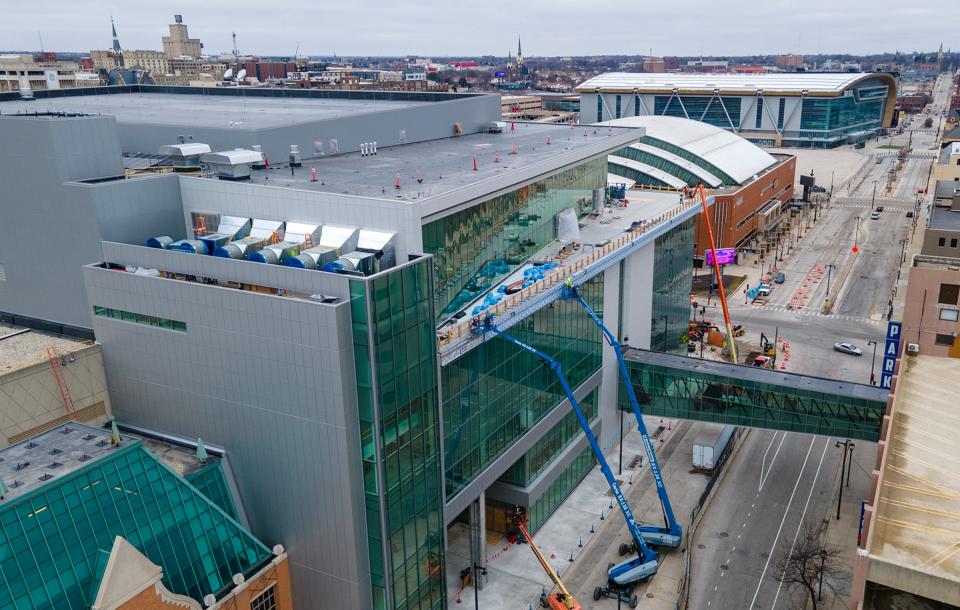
308, 305
23, 73
815, 110
751, 188
947, 167
789, 61
93, 519
179, 44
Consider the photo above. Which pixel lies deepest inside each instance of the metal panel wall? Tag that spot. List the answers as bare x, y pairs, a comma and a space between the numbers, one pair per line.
272, 380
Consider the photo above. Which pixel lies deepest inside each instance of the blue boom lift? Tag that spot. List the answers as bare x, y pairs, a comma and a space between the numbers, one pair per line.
622, 576
672, 533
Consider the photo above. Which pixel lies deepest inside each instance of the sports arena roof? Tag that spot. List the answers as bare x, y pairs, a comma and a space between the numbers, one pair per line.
791, 83
726, 151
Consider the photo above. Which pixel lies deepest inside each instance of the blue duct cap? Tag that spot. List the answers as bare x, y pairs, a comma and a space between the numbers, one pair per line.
257, 257
222, 252
295, 262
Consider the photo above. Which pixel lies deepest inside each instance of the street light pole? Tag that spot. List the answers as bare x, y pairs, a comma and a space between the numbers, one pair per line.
847, 447
873, 199
823, 560
873, 362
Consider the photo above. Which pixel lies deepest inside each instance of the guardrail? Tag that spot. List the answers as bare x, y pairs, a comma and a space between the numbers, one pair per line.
450, 337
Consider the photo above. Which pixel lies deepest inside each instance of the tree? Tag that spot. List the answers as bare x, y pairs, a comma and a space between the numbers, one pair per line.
810, 565
928, 123
462, 83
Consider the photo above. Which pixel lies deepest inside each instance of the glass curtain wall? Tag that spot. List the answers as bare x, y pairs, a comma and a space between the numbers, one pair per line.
830, 119
544, 451
672, 282
396, 368
704, 108
477, 247
495, 393
558, 491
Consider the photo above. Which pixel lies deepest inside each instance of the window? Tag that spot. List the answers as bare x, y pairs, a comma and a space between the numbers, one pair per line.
759, 112
944, 340
139, 318
942, 242
948, 314
267, 600
599, 107
949, 293
636, 105
618, 106
783, 108
953, 242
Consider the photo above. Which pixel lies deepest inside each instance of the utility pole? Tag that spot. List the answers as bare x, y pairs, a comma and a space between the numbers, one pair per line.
873, 199
847, 448
873, 361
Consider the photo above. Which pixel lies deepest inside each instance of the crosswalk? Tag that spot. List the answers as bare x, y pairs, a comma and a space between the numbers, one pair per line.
814, 313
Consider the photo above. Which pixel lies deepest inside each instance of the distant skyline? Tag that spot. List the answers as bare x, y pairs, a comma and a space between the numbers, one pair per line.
491, 27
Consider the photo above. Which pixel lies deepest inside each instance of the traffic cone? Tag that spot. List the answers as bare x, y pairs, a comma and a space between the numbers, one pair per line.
513, 151
313, 174
397, 183
474, 164
496, 158
548, 140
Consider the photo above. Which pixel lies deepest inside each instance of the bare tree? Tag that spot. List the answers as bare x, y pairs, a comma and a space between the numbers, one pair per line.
811, 565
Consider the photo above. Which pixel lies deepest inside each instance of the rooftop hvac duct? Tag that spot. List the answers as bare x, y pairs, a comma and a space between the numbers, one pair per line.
353, 262
189, 246
275, 254
316, 257
266, 229
185, 155
343, 239
234, 226
298, 232
232, 164
160, 241
241, 248
381, 244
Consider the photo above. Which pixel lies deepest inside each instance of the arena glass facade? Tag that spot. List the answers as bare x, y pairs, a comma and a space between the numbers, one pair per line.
481, 245
396, 369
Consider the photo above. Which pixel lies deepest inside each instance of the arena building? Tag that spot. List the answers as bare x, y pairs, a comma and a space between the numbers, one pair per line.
810, 110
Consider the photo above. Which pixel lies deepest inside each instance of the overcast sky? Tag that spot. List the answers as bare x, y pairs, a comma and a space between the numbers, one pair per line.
478, 27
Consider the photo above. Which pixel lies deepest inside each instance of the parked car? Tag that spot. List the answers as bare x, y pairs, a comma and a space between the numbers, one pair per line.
763, 292
848, 348
879, 208
909, 214
779, 278
875, 216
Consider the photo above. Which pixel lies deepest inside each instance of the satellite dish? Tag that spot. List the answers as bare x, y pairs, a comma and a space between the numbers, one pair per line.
241, 75
228, 74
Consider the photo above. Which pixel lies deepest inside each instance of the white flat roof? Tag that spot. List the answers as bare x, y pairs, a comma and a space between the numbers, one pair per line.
736, 157
788, 82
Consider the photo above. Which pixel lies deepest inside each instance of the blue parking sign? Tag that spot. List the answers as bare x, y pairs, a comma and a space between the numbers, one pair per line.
893, 331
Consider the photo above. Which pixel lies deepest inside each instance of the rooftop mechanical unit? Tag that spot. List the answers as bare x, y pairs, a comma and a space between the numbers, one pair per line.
382, 245
189, 246
275, 254
186, 156
232, 164
355, 262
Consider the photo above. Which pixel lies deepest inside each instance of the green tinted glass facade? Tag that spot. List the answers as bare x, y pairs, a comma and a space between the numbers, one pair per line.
560, 489
830, 119
660, 163
475, 248
706, 108
139, 318
211, 481
52, 539
396, 368
724, 397
495, 393
689, 156
548, 448
672, 283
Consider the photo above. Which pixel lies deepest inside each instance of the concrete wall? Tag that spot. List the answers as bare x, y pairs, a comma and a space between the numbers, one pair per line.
428, 121
269, 378
30, 401
932, 247
921, 314
50, 228
637, 300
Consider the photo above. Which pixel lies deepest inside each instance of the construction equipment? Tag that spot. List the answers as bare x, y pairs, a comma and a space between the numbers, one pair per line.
701, 193
671, 533
561, 599
621, 577
57, 367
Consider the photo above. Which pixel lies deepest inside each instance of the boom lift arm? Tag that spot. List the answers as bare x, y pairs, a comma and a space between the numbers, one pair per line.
561, 599
624, 574
672, 533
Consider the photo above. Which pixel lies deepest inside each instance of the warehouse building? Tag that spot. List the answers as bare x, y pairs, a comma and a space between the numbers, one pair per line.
751, 188
811, 110
311, 315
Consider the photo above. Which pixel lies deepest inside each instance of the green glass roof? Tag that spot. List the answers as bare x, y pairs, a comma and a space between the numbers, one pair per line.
51, 535
211, 481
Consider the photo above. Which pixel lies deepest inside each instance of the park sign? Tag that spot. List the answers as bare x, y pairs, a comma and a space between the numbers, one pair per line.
725, 256
890, 352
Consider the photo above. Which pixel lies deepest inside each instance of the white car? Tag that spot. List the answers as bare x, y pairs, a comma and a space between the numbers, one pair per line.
848, 348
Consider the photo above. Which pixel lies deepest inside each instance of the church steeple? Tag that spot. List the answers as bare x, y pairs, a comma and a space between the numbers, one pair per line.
116, 40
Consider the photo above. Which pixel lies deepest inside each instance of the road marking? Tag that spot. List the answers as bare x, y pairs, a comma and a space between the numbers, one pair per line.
763, 479
782, 521
715, 589
733, 549
800, 525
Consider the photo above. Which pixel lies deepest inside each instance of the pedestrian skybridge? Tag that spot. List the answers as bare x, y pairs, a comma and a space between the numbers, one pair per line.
669, 385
